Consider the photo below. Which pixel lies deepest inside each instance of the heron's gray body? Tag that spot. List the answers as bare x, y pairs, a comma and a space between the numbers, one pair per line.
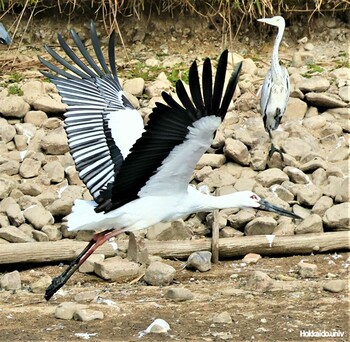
4, 36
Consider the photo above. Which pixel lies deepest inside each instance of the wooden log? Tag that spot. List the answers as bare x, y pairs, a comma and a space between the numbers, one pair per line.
65, 250
215, 241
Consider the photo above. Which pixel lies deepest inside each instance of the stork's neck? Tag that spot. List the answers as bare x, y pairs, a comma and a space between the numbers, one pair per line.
275, 67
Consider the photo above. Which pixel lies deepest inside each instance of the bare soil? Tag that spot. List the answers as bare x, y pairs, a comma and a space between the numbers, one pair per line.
277, 315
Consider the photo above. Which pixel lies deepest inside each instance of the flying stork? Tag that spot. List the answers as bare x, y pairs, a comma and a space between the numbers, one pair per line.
138, 176
276, 88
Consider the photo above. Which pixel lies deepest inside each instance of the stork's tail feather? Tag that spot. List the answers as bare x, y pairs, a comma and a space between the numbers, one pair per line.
83, 216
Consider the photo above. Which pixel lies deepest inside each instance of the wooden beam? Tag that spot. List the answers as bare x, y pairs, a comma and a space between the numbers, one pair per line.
64, 250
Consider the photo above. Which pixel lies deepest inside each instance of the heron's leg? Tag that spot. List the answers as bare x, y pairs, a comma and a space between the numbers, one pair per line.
96, 241
274, 149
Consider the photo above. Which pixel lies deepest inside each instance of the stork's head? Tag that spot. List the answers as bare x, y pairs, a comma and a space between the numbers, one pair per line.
275, 21
4, 36
251, 200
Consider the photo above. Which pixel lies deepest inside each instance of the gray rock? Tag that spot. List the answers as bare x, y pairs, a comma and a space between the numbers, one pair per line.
333, 186
307, 270
40, 285
314, 83
61, 207
295, 111
271, 176
322, 205
324, 100
251, 258
159, 274
55, 142
336, 217
229, 232
9, 167
86, 296
11, 281
309, 195
89, 265
296, 175
282, 192
284, 228
296, 147
200, 261
15, 214
52, 232
13, 234
311, 224
259, 281
343, 194
66, 310
13, 106
237, 151
7, 132
222, 317
6, 186
344, 93
87, 315
260, 226
319, 177
335, 286
116, 268
40, 236
55, 171
30, 188
137, 250
179, 294
38, 216
29, 168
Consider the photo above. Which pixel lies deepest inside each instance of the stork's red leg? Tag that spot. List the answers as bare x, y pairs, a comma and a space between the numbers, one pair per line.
96, 241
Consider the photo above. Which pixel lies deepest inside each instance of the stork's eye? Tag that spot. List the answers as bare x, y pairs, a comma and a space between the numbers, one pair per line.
254, 197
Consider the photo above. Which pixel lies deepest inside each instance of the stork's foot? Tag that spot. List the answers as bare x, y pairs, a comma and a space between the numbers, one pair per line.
275, 149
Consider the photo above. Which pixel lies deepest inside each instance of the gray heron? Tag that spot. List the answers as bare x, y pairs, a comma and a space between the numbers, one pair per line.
138, 176
276, 87
5, 38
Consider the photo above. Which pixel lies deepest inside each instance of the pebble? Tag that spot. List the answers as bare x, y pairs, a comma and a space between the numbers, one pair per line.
200, 261
86, 296
159, 274
223, 317
335, 286
179, 294
40, 285
87, 315
259, 281
66, 310
307, 270
251, 258
11, 281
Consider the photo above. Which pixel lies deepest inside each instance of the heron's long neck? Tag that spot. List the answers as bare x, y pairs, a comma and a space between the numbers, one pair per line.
275, 67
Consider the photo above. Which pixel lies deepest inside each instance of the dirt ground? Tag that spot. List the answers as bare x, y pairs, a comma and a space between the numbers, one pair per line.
294, 305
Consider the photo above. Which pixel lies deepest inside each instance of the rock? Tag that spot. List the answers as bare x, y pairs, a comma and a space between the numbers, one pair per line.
240, 219
295, 111
61, 207
40, 285
11, 281
259, 281
219, 178
159, 274
9, 167
311, 224
343, 194
13, 106
260, 226
55, 171
89, 265
344, 93
137, 250
29, 168
284, 228
15, 215
307, 270
55, 142
116, 268
336, 217
258, 158
200, 261
135, 86
48, 104
30, 188
335, 286
324, 100
237, 151
213, 160
52, 232
271, 176
13, 234
179, 294
243, 184
159, 326
35, 117
86, 296
38, 216
309, 195
322, 205
251, 258
333, 186
40, 236
87, 315
296, 175
313, 84
295, 147
282, 192
66, 310
7, 132
319, 177
222, 317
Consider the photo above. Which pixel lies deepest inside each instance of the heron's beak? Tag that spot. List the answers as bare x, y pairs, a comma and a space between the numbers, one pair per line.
265, 20
265, 205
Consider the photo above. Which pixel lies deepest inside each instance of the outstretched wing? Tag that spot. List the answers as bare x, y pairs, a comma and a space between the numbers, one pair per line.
161, 162
100, 122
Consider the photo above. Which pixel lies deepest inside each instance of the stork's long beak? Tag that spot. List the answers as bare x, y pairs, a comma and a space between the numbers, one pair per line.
267, 206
